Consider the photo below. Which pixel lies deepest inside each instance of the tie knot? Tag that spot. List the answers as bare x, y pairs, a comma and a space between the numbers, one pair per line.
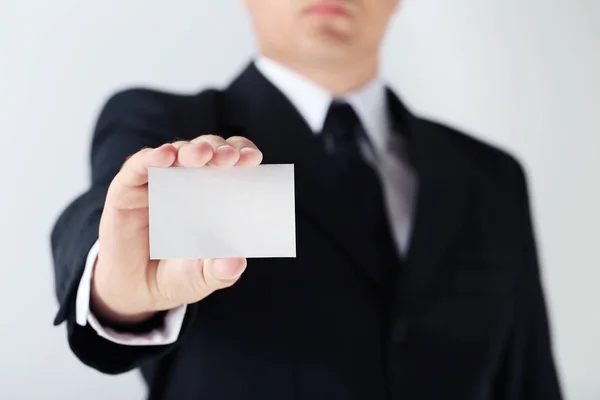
342, 122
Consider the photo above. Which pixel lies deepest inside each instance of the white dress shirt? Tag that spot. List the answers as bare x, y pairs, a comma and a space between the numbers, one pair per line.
312, 102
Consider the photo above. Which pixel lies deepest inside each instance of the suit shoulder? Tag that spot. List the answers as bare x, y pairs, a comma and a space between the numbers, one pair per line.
146, 101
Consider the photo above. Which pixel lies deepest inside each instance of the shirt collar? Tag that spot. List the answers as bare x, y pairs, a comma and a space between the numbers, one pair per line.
312, 101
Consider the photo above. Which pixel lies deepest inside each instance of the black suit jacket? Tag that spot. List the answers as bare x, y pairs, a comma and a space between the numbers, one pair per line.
467, 318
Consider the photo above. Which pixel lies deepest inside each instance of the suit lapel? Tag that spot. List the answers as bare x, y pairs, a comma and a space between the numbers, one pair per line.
257, 109
441, 203
260, 111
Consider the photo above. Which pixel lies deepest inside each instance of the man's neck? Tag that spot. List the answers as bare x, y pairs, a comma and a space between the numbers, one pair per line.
337, 77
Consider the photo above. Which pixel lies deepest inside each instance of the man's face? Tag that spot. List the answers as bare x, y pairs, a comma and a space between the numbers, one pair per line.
320, 30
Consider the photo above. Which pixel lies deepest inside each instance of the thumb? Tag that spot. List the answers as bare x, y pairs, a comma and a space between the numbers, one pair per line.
224, 271
188, 281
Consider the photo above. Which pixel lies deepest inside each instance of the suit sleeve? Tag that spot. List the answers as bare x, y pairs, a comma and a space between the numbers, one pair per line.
128, 122
166, 332
528, 370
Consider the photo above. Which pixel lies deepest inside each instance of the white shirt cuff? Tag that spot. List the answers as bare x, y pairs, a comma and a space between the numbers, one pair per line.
167, 334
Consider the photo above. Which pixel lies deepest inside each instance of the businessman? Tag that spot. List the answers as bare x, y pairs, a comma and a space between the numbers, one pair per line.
416, 274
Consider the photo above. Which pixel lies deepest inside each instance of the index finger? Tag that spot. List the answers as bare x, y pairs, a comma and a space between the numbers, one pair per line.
135, 170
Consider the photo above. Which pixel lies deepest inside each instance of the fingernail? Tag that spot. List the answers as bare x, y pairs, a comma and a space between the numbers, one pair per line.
246, 150
226, 271
224, 147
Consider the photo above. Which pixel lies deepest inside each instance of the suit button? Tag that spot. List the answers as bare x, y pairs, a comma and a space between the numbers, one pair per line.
400, 332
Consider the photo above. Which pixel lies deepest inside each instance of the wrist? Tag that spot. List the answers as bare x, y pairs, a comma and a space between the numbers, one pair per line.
110, 315
111, 308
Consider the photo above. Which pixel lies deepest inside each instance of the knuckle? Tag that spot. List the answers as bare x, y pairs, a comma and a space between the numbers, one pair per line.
238, 138
197, 284
240, 141
179, 144
193, 280
208, 138
133, 157
211, 282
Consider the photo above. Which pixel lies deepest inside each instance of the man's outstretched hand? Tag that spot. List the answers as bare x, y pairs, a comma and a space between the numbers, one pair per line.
128, 287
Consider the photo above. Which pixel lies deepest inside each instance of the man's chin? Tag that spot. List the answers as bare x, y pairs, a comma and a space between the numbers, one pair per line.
327, 44
323, 56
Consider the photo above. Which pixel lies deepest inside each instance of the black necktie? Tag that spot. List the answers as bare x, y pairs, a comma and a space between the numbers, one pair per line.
343, 134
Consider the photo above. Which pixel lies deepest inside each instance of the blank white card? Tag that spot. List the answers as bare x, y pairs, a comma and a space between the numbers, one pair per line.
212, 213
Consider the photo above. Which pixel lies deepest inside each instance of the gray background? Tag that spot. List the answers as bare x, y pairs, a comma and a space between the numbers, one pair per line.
521, 74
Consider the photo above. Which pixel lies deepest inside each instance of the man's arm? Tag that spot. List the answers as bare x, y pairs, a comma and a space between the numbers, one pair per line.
129, 121
130, 292
528, 370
